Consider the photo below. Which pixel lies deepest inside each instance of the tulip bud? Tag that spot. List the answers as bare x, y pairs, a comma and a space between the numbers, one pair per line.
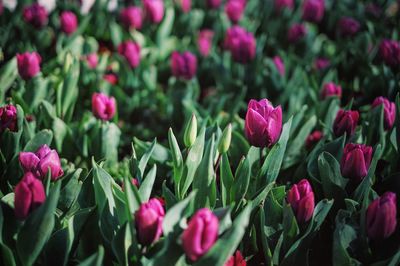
103, 107
280, 66
204, 42
296, 32
301, 199
236, 260
131, 17
389, 51
29, 195
225, 141
153, 10
200, 235
40, 162
92, 60
281, 4
314, 138
263, 124
345, 122
186, 5
111, 78
183, 65
232, 35
389, 111
36, 15
131, 52
331, 89
190, 132
234, 9
68, 22
243, 48
321, 63
381, 216
213, 3
8, 118
313, 10
148, 220
28, 64
348, 27
356, 161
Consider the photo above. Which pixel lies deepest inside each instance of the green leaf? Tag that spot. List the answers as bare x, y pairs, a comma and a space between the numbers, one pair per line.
164, 30
176, 157
226, 178
102, 182
121, 244
8, 73
37, 229
228, 243
147, 184
6, 253
94, 260
43, 137
333, 183
69, 92
241, 182
145, 158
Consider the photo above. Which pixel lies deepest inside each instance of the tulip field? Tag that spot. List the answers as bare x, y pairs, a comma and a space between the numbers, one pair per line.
200, 132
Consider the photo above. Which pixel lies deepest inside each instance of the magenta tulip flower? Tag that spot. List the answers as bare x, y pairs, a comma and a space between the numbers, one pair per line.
280, 66
263, 123
148, 221
301, 199
204, 42
356, 161
29, 195
389, 111
282, 4
313, 10
213, 4
345, 122
92, 60
103, 107
234, 9
153, 10
331, 89
131, 52
28, 64
131, 17
36, 15
381, 216
389, 51
8, 118
68, 22
200, 235
348, 26
314, 138
296, 32
236, 260
183, 65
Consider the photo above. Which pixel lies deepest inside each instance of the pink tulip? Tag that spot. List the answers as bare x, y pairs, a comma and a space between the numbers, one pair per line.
204, 42
389, 111
186, 5
356, 161
280, 66
321, 63
103, 107
345, 122
296, 32
111, 78
28, 64
236, 260
331, 89
183, 65
301, 199
313, 10
8, 118
348, 26
154, 10
234, 9
282, 4
131, 17
29, 195
131, 52
92, 60
381, 216
200, 235
213, 4
36, 15
148, 221
40, 162
314, 138
263, 124
68, 22
389, 51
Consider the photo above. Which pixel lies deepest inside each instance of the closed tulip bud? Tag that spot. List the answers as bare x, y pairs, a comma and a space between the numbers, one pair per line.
28, 64
131, 17
29, 195
68, 22
243, 48
282, 4
313, 10
41, 162
183, 65
148, 220
389, 51
296, 32
301, 199
381, 216
348, 27
103, 107
389, 111
213, 3
232, 36
8, 118
190, 132
314, 138
321, 63
234, 9
36, 15
236, 260
204, 42
331, 89
153, 10
186, 5
92, 60
200, 235
280, 66
356, 161
263, 123
111, 78
131, 52
225, 141
345, 122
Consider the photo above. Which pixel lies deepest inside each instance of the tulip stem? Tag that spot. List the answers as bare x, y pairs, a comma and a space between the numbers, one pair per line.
261, 157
